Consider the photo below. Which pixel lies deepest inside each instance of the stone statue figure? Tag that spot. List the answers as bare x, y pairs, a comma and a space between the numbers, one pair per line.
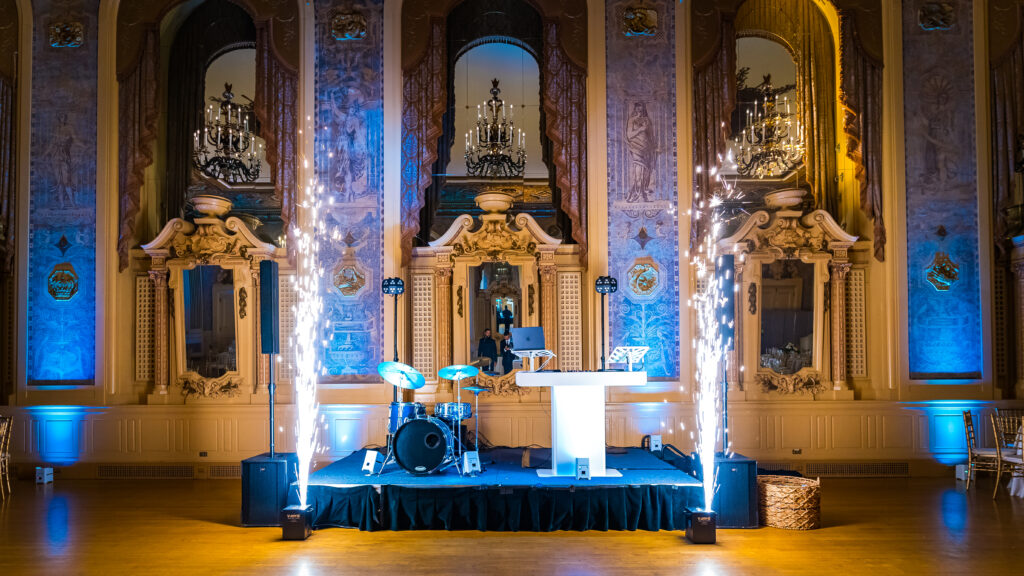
640, 140
60, 151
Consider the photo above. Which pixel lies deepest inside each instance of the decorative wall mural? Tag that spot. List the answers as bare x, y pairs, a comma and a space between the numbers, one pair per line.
639, 21
62, 207
936, 16
942, 272
944, 319
348, 26
62, 283
349, 158
67, 35
642, 195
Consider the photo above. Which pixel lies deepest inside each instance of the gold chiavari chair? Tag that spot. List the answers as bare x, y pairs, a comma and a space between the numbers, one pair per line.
978, 459
1009, 429
6, 429
1006, 458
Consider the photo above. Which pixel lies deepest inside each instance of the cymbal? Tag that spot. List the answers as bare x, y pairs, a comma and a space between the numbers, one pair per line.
401, 375
458, 372
475, 389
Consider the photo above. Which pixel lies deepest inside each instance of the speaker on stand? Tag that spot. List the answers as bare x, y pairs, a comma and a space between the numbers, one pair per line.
725, 273
266, 478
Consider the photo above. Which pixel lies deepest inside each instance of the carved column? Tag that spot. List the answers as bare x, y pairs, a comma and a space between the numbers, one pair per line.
838, 308
160, 330
548, 316
1017, 265
443, 309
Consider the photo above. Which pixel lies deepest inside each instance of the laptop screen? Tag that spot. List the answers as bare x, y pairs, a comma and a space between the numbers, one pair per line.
531, 338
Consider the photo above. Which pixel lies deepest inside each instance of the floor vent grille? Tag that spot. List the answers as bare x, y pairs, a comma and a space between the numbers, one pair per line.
226, 471
858, 469
781, 466
841, 469
137, 471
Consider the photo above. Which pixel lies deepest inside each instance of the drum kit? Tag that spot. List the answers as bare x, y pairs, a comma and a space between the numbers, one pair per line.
422, 444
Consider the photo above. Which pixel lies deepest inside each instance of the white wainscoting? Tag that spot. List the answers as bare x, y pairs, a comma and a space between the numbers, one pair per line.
769, 431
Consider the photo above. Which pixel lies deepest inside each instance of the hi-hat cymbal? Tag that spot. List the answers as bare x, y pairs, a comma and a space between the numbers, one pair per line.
401, 375
458, 372
476, 389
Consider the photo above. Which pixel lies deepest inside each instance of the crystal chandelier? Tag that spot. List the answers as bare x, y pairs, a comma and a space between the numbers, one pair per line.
225, 148
490, 152
772, 143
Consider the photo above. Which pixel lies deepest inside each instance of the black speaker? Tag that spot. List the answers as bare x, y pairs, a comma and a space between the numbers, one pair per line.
725, 272
265, 483
269, 309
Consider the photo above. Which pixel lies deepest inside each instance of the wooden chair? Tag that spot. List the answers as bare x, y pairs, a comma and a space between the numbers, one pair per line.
1006, 459
978, 459
6, 429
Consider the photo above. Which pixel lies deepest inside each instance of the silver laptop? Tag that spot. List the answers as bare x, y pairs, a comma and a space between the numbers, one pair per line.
528, 339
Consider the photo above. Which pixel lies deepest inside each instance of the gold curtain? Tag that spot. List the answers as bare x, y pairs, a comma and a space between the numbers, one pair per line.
803, 29
1007, 125
565, 105
137, 117
714, 98
277, 96
861, 91
424, 101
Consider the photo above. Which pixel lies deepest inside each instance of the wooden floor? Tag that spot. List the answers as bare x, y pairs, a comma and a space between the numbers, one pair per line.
916, 526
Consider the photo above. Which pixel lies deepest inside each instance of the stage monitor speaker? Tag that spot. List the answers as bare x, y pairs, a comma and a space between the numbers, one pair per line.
725, 272
269, 309
265, 483
583, 468
471, 462
370, 461
656, 443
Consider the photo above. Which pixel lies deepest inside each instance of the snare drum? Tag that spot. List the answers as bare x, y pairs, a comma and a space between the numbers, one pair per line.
453, 410
402, 412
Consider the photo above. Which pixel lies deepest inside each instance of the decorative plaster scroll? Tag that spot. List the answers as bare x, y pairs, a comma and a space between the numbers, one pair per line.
799, 383
504, 385
195, 386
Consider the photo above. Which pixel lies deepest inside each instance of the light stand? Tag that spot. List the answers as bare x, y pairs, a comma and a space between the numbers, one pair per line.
604, 285
394, 287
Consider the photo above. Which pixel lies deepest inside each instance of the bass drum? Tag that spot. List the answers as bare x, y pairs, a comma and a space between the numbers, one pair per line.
424, 446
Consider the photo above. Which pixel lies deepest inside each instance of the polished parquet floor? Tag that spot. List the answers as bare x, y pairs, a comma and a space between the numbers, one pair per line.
891, 526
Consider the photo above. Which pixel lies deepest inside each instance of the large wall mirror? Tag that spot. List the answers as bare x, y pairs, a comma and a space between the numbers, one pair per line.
787, 316
209, 303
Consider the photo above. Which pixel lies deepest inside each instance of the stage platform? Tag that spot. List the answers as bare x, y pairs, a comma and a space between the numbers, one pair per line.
651, 494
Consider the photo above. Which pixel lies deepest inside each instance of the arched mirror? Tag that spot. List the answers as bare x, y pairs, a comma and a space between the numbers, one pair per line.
208, 294
787, 315
767, 146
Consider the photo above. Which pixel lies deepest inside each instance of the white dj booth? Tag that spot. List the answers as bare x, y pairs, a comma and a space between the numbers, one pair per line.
577, 416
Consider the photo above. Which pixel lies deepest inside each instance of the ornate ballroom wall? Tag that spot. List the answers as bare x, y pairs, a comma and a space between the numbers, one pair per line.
920, 115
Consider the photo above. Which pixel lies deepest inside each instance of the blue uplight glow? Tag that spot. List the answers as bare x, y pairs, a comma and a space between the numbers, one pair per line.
946, 438
59, 432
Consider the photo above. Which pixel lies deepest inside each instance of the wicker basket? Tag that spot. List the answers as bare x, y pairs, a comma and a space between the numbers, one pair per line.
788, 502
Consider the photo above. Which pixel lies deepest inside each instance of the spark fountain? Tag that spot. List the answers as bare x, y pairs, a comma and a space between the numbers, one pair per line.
307, 342
709, 345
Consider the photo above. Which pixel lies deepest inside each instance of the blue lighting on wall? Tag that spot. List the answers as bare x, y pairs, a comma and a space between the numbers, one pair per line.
58, 432
61, 334
946, 437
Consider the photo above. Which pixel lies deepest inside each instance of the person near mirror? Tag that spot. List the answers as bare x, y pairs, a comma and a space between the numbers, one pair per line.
488, 348
505, 318
507, 357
